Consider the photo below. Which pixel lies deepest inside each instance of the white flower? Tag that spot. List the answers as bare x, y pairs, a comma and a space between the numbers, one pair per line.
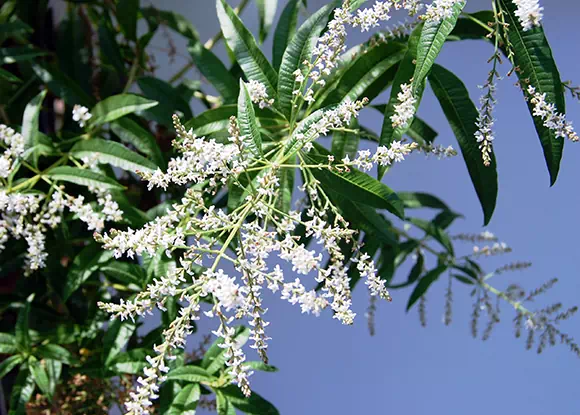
529, 13
484, 134
405, 109
552, 119
258, 94
440, 9
81, 115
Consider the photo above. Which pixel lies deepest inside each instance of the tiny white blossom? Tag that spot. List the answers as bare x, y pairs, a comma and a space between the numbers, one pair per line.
529, 13
405, 109
81, 115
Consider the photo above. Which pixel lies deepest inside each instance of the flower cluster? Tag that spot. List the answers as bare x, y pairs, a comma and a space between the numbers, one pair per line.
384, 156
23, 216
552, 119
15, 148
484, 134
529, 13
405, 108
258, 94
495, 249
254, 237
440, 9
81, 115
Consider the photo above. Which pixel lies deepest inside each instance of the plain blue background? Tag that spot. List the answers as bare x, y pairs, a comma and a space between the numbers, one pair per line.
327, 368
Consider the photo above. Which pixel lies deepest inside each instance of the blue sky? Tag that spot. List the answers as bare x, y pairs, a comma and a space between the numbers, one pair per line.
327, 368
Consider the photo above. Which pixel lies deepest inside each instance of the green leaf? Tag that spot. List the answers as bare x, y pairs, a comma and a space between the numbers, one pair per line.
424, 284
536, 67
421, 132
9, 363
30, 122
258, 365
345, 143
286, 187
185, 402
404, 74
133, 133
243, 45
169, 100
84, 265
285, 30
214, 358
432, 39
62, 85
174, 21
370, 72
112, 153
437, 232
223, 406
39, 375
213, 69
127, 14
190, 374
132, 362
7, 344
299, 49
19, 54
254, 404
8, 76
462, 116
417, 200
117, 106
55, 352
125, 272
116, 337
23, 341
53, 371
82, 177
110, 50
357, 186
247, 123
213, 120
467, 29
15, 28
266, 13
21, 392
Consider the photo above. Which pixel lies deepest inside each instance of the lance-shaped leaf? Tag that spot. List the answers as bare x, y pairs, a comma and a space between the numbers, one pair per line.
253, 405
432, 39
30, 123
424, 284
9, 363
357, 186
247, 122
9, 76
462, 116
23, 341
213, 69
417, 200
266, 14
84, 265
19, 54
21, 392
82, 177
116, 337
39, 375
117, 106
113, 153
390, 133
243, 45
285, 30
7, 343
536, 67
371, 71
190, 373
131, 132
185, 402
299, 49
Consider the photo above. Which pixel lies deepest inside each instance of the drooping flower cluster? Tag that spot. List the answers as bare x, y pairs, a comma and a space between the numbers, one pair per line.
529, 13
264, 236
81, 115
553, 120
14, 143
405, 108
484, 134
495, 249
258, 94
23, 216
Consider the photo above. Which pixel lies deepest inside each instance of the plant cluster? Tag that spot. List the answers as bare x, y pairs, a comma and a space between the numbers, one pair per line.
116, 202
